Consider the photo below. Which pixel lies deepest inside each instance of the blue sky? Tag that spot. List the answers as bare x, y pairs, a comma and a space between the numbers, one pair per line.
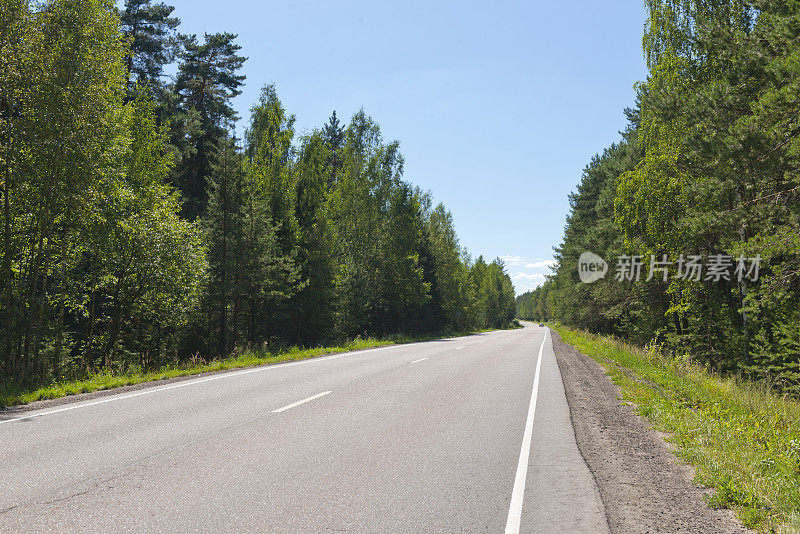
498, 106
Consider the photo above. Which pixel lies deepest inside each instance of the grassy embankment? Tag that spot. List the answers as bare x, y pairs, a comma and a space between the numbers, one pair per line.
742, 438
13, 396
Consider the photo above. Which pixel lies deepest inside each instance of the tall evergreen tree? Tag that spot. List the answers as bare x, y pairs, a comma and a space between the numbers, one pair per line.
224, 226
333, 134
151, 32
208, 79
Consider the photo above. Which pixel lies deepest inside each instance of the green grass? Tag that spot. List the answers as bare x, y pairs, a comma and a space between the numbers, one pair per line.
742, 438
10, 396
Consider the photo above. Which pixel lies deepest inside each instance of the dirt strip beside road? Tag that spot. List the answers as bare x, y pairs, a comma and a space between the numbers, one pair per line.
644, 487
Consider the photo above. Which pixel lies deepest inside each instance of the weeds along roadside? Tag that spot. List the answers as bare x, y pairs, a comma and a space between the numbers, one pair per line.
742, 438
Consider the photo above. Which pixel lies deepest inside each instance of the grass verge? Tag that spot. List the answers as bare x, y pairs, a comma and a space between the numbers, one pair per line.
11, 396
742, 438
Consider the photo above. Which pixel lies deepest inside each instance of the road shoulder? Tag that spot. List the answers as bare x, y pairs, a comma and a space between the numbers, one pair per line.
642, 484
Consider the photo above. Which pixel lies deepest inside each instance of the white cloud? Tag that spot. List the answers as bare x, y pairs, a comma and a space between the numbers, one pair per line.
527, 276
541, 264
513, 260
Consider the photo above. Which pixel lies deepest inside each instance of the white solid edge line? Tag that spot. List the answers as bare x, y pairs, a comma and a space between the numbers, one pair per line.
420, 360
192, 382
515, 510
298, 403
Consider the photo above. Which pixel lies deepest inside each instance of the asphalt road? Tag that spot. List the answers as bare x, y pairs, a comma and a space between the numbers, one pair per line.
459, 435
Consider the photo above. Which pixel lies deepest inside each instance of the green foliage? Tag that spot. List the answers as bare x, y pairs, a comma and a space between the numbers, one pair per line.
145, 264
206, 82
150, 30
137, 234
377, 233
452, 290
534, 305
742, 438
709, 165
495, 305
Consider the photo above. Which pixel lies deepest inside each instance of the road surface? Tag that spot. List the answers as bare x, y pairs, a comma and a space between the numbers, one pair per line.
459, 435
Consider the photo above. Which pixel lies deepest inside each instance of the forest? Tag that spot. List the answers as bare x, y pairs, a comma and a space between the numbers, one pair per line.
709, 165
139, 231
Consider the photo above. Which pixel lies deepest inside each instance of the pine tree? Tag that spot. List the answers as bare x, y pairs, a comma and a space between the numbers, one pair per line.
333, 134
206, 83
224, 230
150, 30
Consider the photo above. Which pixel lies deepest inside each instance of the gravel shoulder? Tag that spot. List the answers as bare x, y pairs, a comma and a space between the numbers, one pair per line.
643, 485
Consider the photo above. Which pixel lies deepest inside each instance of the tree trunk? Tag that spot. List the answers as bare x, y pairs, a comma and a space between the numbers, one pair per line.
115, 326
237, 298
223, 290
5, 108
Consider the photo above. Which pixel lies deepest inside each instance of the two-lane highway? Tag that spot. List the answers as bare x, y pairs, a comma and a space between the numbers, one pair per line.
459, 435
